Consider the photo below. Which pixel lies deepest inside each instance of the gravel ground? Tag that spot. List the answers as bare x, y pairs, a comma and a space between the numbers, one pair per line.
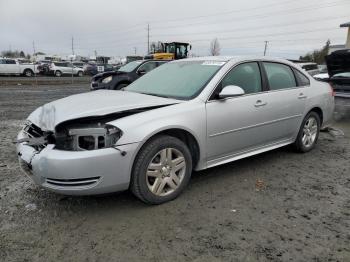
276, 206
43, 80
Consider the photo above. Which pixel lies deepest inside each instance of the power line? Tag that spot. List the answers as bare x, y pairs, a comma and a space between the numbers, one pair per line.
274, 13
127, 38
238, 29
239, 37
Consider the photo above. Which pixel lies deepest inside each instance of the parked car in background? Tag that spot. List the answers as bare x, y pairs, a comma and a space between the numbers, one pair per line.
9, 66
311, 68
44, 66
93, 69
125, 75
78, 64
322, 77
64, 68
338, 64
186, 115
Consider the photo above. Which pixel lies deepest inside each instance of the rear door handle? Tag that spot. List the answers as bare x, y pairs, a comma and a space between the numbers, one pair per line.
302, 96
260, 103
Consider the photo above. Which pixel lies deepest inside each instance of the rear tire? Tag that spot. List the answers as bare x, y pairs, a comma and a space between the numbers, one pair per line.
28, 73
308, 133
161, 171
58, 73
80, 73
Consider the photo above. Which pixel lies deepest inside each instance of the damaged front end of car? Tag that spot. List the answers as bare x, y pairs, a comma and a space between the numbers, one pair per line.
79, 156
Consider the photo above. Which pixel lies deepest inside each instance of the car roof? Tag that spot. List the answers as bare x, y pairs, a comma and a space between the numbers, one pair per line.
237, 59
309, 63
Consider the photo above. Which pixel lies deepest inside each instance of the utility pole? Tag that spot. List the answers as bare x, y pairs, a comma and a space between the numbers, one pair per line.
147, 38
71, 60
36, 80
135, 50
266, 43
72, 45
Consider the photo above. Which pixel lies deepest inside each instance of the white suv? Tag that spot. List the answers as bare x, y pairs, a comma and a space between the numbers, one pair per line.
65, 68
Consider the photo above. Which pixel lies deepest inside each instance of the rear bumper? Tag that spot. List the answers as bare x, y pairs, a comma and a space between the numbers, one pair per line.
78, 172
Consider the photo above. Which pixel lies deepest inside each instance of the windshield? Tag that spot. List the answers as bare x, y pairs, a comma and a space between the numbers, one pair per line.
181, 80
130, 66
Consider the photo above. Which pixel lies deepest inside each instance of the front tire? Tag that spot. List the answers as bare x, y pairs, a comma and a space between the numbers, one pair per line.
58, 73
161, 171
28, 73
308, 133
80, 73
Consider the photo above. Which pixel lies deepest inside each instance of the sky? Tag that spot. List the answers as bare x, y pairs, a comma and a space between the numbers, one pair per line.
119, 28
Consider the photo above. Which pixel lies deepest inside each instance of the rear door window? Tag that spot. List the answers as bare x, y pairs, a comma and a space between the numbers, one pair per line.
280, 76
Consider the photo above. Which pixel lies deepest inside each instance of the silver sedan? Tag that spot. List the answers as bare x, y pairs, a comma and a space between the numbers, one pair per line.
186, 115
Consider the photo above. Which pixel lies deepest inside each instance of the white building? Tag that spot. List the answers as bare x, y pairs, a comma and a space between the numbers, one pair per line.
347, 25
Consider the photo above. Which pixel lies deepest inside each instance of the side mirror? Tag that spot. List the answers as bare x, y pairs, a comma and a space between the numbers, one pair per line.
231, 91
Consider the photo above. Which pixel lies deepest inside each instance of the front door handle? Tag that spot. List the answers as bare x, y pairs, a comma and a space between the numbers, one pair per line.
302, 96
260, 103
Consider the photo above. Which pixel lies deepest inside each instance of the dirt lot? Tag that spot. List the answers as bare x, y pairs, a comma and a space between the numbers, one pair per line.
43, 80
277, 206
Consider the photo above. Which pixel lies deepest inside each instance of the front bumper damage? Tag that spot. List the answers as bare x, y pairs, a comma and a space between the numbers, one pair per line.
77, 172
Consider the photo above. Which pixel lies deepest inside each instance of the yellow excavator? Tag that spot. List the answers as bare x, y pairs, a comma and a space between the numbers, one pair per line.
170, 51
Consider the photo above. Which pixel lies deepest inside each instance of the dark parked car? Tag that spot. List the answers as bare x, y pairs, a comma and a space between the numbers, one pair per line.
93, 69
125, 75
338, 64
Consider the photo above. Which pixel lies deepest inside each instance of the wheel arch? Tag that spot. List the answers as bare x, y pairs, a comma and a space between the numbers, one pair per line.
182, 134
26, 69
317, 110
121, 83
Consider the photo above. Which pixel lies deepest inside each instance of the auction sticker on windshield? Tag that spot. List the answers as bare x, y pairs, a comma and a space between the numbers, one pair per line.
213, 63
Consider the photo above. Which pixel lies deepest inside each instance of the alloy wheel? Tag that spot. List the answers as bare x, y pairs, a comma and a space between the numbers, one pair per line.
309, 132
166, 171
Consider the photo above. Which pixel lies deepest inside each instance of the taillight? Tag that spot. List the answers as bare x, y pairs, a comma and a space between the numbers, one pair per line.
332, 89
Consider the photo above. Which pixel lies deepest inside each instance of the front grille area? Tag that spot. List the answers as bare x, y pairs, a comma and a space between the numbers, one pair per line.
71, 183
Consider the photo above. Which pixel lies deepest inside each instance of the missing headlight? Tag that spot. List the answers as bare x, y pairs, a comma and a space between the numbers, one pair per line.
89, 138
86, 142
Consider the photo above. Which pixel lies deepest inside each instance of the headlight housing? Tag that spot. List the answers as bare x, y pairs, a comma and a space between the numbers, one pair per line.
107, 79
89, 138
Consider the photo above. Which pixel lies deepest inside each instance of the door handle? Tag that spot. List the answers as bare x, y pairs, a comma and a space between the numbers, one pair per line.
302, 96
260, 103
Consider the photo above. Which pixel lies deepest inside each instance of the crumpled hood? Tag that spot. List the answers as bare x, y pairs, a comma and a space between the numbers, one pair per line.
97, 103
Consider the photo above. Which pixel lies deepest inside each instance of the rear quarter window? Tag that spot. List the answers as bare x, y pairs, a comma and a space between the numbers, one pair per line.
301, 78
